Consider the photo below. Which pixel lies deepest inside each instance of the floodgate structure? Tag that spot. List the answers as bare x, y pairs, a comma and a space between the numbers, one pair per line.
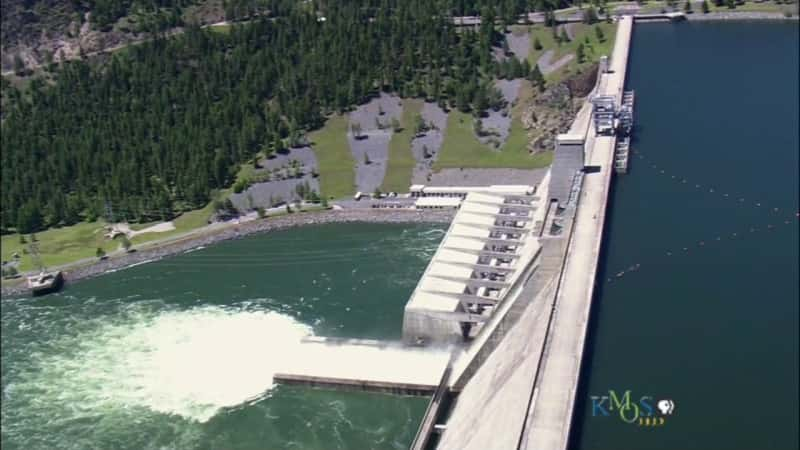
495, 328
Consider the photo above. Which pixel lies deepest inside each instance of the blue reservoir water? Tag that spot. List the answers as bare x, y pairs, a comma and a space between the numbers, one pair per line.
709, 210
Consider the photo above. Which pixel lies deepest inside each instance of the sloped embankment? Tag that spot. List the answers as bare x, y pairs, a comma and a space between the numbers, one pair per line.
426, 145
369, 140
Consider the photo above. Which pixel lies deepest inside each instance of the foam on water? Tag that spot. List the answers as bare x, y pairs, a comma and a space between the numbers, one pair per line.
194, 363
159, 367
189, 363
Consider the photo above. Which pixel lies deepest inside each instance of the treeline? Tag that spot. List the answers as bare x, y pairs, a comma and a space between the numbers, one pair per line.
158, 127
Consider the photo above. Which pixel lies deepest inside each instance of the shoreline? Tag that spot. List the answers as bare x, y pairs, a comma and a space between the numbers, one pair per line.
724, 16
280, 223
741, 15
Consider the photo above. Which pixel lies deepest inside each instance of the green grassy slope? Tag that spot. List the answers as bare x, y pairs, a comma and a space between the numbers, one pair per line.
401, 160
336, 164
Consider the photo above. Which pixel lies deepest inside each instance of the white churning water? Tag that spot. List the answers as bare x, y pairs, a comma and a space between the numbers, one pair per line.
190, 363
194, 363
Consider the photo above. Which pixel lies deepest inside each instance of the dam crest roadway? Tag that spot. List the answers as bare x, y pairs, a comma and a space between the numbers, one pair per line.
496, 327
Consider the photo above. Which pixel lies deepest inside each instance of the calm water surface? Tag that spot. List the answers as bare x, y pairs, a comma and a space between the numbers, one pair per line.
713, 327
179, 354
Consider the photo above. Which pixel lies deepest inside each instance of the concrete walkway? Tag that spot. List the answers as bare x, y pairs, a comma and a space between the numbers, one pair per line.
551, 409
365, 365
490, 411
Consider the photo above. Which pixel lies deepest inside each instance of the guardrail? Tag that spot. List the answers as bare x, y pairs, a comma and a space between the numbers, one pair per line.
432, 412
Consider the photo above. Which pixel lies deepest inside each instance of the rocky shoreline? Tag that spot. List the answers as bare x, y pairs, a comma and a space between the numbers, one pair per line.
242, 230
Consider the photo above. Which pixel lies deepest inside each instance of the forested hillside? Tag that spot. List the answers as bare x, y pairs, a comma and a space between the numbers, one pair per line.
36, 32
159, 126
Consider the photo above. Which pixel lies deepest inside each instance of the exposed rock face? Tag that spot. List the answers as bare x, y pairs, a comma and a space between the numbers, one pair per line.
41, 31
27, 22
557, 96
553, 110
60, 42
581, 84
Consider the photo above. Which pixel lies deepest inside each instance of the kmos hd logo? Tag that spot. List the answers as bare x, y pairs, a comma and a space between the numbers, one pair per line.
645, 412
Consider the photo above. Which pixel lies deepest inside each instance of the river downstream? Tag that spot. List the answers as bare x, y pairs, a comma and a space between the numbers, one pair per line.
180, 353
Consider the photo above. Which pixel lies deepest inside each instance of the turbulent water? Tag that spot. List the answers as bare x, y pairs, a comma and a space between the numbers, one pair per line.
180, 353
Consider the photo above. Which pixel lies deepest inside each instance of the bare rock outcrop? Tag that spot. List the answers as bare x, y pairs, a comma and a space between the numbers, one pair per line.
553, 110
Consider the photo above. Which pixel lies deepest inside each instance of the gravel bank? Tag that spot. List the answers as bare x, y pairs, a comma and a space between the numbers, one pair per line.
570, 28
431, 139
519, 44
498, 123
365, 115
547, 65
263, 194
374, 142
498, 55
238, 231
304, 155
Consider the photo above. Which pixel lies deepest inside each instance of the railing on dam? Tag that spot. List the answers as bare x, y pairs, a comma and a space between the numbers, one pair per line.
428, 423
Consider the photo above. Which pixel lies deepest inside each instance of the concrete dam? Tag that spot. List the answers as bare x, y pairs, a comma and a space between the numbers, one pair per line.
496, 327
